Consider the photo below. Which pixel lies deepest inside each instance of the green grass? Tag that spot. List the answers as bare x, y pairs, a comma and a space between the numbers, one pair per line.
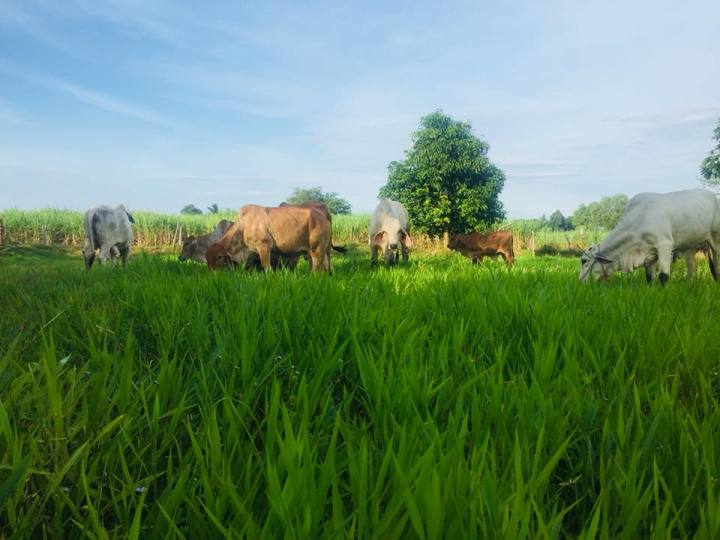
435, 400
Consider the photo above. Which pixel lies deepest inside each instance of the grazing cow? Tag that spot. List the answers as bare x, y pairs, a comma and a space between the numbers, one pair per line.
321, 207
654, 227
389, 231
108, 229
476, 245
194, 247
261, 232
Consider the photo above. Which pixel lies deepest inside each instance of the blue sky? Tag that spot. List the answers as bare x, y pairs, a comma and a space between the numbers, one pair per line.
158, 104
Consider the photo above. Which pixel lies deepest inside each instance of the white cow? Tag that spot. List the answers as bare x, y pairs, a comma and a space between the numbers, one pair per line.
653, 228
108, 229
389, 231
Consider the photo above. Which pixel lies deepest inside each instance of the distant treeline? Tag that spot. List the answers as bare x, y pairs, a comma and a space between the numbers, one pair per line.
154, 230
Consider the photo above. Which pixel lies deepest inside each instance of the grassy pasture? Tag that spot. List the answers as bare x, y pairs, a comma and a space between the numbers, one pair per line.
435, 400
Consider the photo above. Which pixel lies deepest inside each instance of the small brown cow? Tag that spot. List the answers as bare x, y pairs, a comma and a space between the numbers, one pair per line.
262, 232
476, 245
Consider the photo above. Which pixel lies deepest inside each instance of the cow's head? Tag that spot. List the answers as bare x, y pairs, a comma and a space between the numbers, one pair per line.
595, 264
188, 248
452, 241
217, 257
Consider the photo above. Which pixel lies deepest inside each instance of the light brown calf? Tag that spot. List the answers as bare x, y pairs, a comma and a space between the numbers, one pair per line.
476, 245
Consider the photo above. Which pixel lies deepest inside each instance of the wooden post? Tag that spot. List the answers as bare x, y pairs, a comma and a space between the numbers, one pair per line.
2, 233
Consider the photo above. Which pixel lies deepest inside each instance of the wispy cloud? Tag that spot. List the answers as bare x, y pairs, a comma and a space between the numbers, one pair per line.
105, 102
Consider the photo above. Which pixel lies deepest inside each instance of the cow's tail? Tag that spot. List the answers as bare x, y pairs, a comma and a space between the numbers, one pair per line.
128, 214
339, 249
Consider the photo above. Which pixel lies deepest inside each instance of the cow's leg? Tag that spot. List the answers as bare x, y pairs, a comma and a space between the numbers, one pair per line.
265, 254
124, 254
328, 262
405, 253
105, 254
690, 263
374, 252
664, 262
319, 260
713, 261
649, 272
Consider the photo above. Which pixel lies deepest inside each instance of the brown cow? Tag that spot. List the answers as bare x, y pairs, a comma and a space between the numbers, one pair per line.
476, 245
194, 247
321, 207
262, 232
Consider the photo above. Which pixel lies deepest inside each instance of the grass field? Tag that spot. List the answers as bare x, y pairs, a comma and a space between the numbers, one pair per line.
437, 400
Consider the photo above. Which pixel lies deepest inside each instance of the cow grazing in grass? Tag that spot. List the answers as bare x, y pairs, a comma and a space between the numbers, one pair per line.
654, 227
261, 232
109, 230
389, 232
194, 247
475, 245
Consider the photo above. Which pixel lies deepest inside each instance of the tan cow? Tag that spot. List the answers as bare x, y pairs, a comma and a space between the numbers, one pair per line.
321, 207
476, 245
262, 232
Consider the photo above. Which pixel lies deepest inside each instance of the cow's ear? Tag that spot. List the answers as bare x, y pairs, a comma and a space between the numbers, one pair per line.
379, 237
602, 259
406, 238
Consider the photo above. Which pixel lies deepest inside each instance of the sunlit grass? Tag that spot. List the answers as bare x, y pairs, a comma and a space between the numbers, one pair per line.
439, 399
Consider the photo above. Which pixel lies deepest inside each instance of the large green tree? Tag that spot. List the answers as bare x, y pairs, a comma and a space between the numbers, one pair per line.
710, 168
446, 181
335, 203
602, 214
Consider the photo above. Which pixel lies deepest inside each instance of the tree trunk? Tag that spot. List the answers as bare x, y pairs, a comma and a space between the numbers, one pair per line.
446, 238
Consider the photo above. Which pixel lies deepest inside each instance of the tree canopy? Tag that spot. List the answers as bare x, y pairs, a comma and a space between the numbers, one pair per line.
603, 214
446, 181
710, 168
332, 200
558, 222
213, 209
190, 209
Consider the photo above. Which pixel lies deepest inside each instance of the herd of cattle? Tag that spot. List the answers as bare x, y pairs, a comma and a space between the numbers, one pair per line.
653, 230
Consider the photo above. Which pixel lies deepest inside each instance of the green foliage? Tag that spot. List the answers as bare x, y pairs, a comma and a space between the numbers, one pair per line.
446, 182
213, 209
436, 400
332, 200
603, 214
190, 209
710, 168
558, 222
65, 227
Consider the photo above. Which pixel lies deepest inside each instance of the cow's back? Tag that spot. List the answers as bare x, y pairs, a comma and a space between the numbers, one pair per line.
109, 226
388, 213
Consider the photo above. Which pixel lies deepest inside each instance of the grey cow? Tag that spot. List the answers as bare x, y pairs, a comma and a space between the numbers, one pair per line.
109, 230
194, 247
389, 231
